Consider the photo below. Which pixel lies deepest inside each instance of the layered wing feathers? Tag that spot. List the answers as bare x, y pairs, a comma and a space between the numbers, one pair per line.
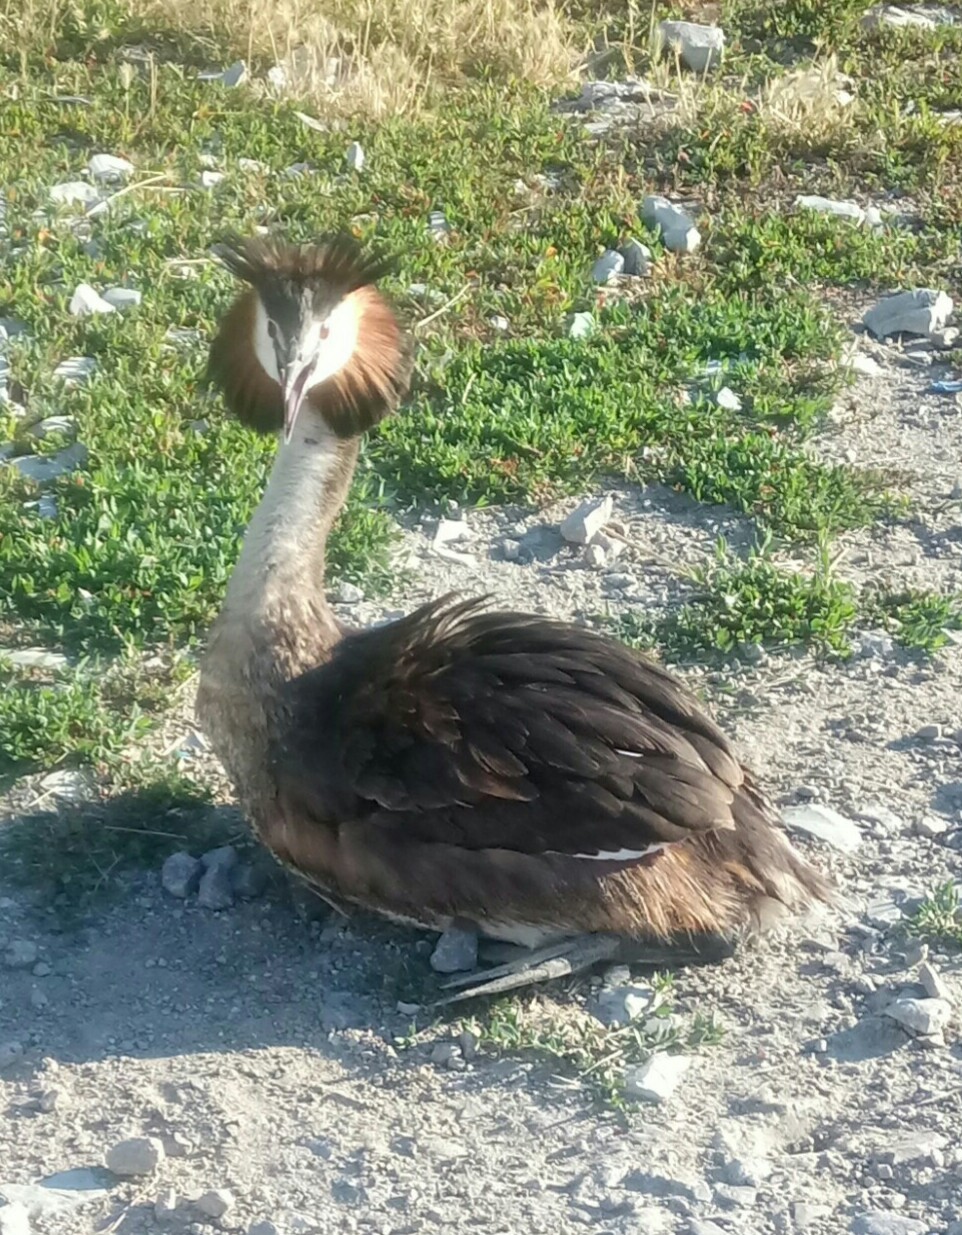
502, 730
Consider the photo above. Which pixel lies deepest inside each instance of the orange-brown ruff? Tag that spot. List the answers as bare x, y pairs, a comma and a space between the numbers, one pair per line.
520, 774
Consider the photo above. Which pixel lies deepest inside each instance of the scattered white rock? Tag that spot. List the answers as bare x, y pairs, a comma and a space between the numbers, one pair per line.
123, 297
180, 875
637, 258
622, 1004
825, 824
895, 15
727, 399
830, 205
931, 827
581, 325
922, 1017
74, 193
349, 593
700, 47
210, 179
37, 658
138, 1155
865, 365
20, 954
14, 1219
933, 983
215, 1203
608, 266
108, 168
86, 300
455, 952
586, 520
75, 369
748, 1172
232, 76
44, 468
438, 226
166, 1205
450, 530
884, 1222
499, 323
656, 1080
354, 157
915, 312
677, 227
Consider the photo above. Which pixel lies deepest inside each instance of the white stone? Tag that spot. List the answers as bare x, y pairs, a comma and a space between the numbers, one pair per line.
86, 300
894, 15
44, 468
922, 1017
586, 520
14, 1219
727, 399
349, 593
656, 1080
210, 180
637, 258
620, 1005
931, 827
36, 658
825, 824
449, 530
830, 205
678, 231
74, 193
499, 323
914, 312
232, 76
354, 156
253, 165
581, 325
138, 1155
700, 47
934, 985
438, 225
215, 1203
884, 1222
455, 952
865, 365
75, 369
608, 266
123, 297
108, 168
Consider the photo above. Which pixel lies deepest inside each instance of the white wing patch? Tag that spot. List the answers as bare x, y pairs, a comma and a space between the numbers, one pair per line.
616, 855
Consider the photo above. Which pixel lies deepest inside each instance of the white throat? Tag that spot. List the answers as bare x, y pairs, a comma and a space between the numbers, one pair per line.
328, 355
285, 525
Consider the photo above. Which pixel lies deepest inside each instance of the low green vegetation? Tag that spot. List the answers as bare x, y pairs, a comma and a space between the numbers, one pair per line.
938, 919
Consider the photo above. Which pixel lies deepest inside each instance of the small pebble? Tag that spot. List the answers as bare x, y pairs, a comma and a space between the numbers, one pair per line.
108, 168
455, 952
656, 1080
180, 875
923, 1017
586, 520
354, 156
216, 890
86, 301
20, 954
933, 983
349, 593
215, 1203
138, 1155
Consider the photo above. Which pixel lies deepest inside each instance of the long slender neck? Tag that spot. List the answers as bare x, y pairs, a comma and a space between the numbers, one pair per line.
281, 565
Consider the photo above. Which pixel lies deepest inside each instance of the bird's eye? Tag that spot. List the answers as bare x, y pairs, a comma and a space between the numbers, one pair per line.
272, 330
324, 330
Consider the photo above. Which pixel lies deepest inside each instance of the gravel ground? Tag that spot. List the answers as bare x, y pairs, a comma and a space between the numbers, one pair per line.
266, 1056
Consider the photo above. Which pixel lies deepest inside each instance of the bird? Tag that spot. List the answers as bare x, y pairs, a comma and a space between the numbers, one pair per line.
530, 779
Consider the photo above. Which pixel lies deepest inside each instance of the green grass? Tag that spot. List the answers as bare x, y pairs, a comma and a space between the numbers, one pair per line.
142, 538
938, 919
583, 1049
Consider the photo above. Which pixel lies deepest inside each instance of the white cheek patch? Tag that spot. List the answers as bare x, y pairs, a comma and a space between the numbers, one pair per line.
264, 344
333, 352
